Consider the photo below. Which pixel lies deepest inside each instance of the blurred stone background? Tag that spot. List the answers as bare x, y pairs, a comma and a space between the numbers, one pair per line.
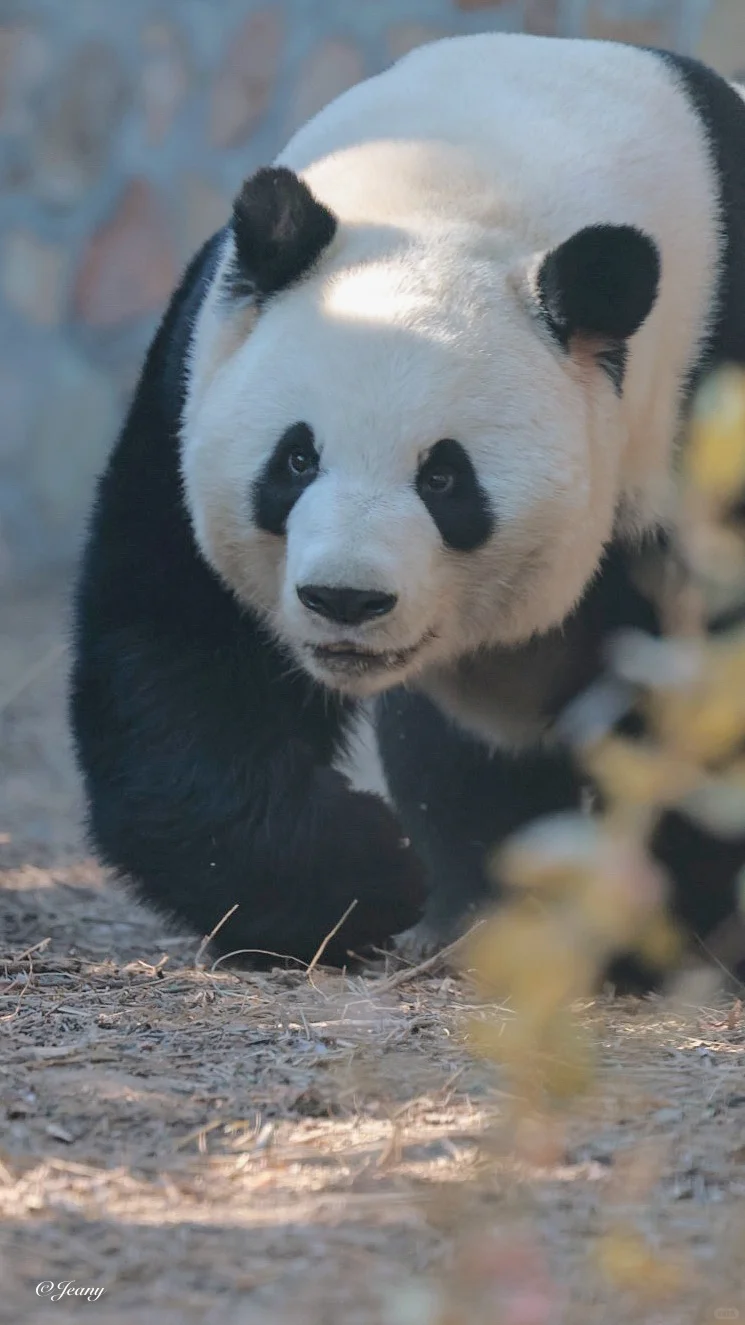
125, 128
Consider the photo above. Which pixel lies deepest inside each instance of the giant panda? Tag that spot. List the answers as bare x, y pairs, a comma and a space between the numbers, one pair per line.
407, 427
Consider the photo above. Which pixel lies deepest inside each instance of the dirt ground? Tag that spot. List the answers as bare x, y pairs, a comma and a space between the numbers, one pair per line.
246, 1149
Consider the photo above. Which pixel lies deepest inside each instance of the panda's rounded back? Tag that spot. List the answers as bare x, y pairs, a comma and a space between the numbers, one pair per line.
534, 138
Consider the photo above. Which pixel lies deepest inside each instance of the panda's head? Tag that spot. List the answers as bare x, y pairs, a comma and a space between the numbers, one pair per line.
402, 443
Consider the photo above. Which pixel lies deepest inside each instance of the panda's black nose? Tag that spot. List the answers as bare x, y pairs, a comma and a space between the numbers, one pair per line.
350, 607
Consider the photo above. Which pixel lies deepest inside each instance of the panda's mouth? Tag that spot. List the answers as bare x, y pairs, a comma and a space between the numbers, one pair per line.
345, 657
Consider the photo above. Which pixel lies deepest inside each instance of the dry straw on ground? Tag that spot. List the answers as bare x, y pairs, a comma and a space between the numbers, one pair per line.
318, 1147
214, 1147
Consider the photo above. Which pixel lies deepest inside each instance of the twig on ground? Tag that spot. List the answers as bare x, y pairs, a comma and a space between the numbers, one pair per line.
411, 972
209, 937
331, 934
255, 952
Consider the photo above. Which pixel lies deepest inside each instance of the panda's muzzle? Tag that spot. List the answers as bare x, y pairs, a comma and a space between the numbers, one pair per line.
346, 606
344, 657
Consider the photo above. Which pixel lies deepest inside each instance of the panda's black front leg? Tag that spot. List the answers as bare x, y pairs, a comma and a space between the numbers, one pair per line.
703, 871
458, 800
208, 769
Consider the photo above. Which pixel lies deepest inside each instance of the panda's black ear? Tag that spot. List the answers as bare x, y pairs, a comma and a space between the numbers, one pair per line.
601, 284
279, 231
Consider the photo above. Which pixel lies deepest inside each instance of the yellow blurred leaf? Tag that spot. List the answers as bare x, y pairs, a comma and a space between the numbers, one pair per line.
726, 658
528, 956
487, 1038
706, 720
718, 804
644, 660
629, 1263
639, 774
714, 455
554, 855
540, 1139
702, 727
614, 918
660, 943
717, 554
498, 947
568, 1070
543, 1056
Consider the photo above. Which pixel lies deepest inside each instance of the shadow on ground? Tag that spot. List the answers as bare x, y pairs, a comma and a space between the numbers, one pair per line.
238, 1149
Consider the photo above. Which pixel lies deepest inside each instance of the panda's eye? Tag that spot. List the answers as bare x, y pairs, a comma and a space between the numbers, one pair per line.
440, 480
448, 487
302, 461
287, 474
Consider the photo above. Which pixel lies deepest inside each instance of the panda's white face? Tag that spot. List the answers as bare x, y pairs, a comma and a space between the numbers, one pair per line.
396, 464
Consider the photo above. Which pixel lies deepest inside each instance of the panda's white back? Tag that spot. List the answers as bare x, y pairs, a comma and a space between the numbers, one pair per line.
535, 138
557, 135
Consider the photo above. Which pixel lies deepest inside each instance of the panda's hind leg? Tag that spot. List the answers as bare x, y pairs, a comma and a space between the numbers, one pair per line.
704, 873
457, 800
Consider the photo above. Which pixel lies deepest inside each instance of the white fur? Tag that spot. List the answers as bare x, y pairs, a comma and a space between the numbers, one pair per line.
451, 174
360, 761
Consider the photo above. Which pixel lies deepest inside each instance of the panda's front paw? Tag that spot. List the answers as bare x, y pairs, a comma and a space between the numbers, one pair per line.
420, 942
433, 933
362, 856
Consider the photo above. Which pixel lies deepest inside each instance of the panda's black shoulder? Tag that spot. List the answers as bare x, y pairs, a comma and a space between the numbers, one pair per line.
721, 111
164, 376
140, 557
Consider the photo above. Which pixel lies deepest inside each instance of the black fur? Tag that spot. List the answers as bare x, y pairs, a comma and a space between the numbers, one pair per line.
722, 112
280, 484
458, 799
280, 231
600, 284
205, 754
502, 791
461, 511
499, 791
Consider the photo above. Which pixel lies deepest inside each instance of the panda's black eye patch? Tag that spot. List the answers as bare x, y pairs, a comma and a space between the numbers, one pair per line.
302, 460
438, 481
290, 469
448, 486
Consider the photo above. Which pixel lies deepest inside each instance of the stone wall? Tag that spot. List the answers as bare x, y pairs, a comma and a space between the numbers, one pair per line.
125, 128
